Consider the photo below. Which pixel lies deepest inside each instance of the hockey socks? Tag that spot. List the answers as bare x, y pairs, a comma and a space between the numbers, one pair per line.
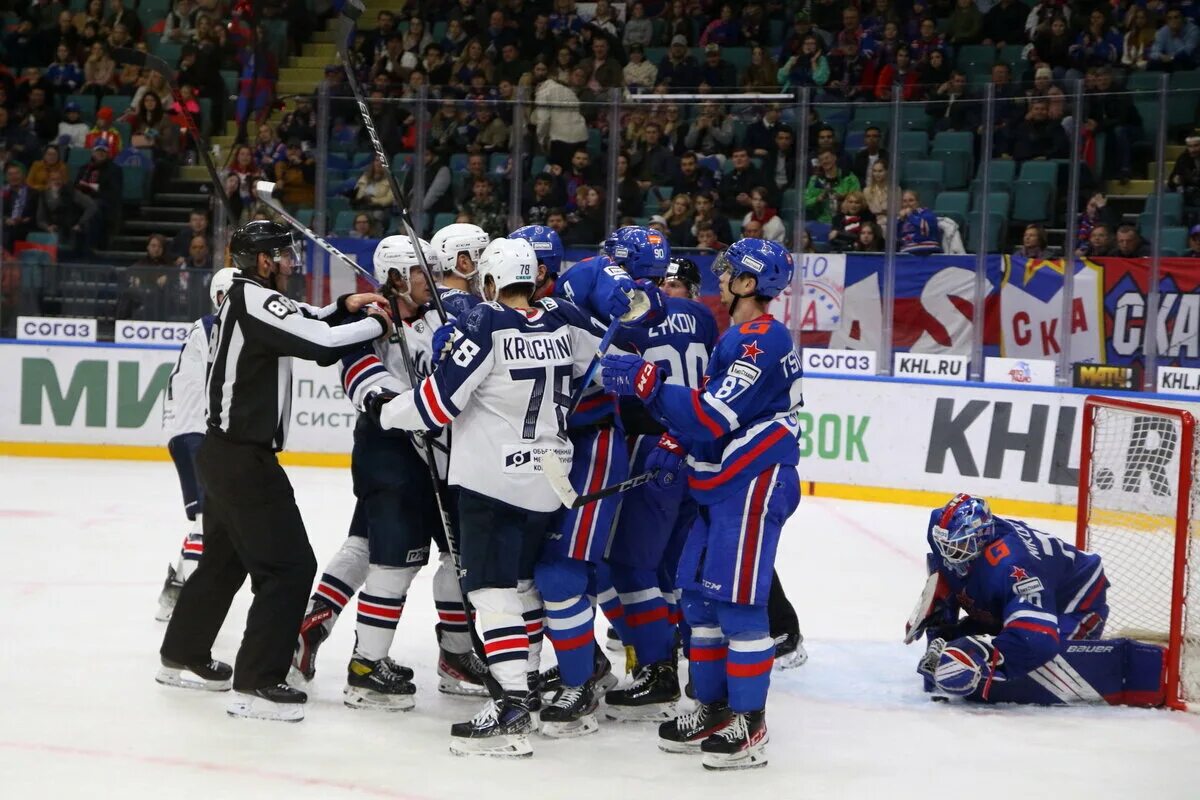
706, 661
191, 550
343, 575
569, 625
534, 614
731, 652
647, 617
610, 602
501, 626
452, 614
379, 608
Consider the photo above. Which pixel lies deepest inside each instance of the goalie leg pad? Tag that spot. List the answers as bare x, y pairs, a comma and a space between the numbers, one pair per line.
1113, 671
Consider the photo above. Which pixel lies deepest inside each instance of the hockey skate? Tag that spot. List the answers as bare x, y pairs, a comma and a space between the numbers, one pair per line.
280, 703
789, 651
602, 678
687, 732
572, 713
501, 729
314, 629
169, 595
650, 698
742, 744
210, 676
612, 641
378, 685
462, 674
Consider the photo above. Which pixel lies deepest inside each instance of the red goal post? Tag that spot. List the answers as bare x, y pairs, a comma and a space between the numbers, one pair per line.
1137, 508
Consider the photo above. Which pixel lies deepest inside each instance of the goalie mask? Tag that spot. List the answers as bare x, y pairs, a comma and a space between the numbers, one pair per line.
964, 528
460, 239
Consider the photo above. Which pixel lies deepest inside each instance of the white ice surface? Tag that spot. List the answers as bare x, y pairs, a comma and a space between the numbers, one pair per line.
84, 546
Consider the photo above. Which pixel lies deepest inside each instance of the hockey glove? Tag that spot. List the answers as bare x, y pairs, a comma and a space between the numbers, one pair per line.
630, 376
647, 306
963, 663
616, 300
443, 341
669, 458
933, 656
374, 402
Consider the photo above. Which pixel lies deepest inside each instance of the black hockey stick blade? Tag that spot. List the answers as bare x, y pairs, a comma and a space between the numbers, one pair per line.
556, 473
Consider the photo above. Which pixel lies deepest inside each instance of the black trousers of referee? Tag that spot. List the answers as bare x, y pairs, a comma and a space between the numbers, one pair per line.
779, 611
251, 526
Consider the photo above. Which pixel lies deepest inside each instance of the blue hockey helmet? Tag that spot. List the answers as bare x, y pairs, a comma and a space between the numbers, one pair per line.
643, 252
964, 528
546, 245
768, 261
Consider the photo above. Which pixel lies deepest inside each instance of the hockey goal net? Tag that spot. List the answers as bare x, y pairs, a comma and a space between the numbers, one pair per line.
1138, 502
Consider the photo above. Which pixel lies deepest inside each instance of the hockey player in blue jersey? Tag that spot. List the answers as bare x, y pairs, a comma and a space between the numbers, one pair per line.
184, 420
504, 387
1027, 597
656, 517
458, 248
740, 430
548, 248
572, 570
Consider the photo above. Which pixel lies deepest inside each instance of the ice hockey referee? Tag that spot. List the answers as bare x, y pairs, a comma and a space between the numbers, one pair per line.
251, 522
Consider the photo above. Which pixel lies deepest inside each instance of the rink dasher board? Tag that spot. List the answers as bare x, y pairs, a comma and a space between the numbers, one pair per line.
864, 437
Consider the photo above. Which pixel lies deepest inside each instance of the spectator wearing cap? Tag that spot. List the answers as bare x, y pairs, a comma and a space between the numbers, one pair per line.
1185, 177
104, 134
639, 29
72, 130
725, 30
639, 73
1193, 250
716, 73
678, 71
602, 70
20, 202
100, 179
659, 223
1175, 44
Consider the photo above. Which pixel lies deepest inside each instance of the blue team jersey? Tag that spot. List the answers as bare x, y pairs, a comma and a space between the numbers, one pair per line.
587, 284
457, 302
743, 419
1020, 588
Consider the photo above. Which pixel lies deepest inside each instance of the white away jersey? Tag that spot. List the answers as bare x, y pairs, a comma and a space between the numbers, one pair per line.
506, 386
184, 404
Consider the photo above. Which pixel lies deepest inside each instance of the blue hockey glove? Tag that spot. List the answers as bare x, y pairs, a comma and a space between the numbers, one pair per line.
615, 294
669, 459
630, 376
963, 663
375, 401
647, 306
443, 341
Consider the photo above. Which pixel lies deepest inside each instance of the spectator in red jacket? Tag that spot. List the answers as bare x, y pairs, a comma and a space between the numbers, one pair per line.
902, 74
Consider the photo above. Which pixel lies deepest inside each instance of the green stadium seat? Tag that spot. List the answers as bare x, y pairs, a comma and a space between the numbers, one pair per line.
117, 102
230, 78
497, 161
913, 117
305, 215
335, 206
1172, 209
133, 184
739, 57
957, 150
87, 105
443, 219
42, 238
976, 55
1174, 241
343, 223
168, 51
1032, 201
997, 201
1143, 81
996, 226
914, 143
918, 170
789, 202
953, 205
924, 187
1014, 56
867, 114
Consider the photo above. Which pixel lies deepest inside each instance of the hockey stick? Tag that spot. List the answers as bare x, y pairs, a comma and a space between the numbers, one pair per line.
124, 55
605, 342
351, 12
557, 474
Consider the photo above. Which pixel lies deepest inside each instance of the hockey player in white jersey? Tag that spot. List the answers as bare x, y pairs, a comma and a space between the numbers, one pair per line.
458, 248
505, 388
184, 422
395, 518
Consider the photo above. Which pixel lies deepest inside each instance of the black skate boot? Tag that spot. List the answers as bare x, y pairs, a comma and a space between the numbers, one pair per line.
314, 629
742, 744
169, 595
500, 729
461, 674
650, 698
602, 676
572, 713
685, 733
534, 698
378, 685
789, 650
612, 641
281, 703
209, 676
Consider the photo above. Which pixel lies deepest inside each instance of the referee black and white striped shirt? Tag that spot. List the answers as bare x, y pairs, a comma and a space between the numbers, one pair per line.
256, 333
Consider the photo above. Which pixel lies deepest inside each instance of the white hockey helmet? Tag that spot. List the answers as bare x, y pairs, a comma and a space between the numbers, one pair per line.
507, 262
397, 253
460, 237
220, 282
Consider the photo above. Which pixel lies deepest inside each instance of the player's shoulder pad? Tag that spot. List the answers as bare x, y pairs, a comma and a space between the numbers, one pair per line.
565, 309
759, 341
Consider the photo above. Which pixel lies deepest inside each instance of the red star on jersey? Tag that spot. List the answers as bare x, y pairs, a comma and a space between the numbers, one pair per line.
1019, 574
752, 351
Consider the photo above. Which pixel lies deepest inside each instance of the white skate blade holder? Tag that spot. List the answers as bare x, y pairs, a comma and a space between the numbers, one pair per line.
679, 748
184, 678
512, 746
749, 758
457, 688
570, 730
247, 706
357, 698
653, 712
